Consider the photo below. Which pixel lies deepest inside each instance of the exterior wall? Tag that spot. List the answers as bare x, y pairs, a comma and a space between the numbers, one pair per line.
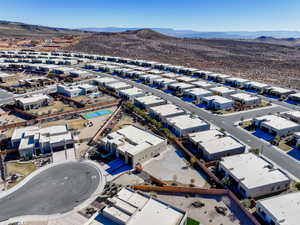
219, 155
147, 106
268, 189
181, 132
295, 98
164, 118
265, 215
282, 132
222, 106
131, 97
34, 105
26, 153
113, 218
258, 191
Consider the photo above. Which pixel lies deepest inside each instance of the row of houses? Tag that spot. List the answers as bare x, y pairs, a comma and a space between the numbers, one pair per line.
221, 78
42, 68
214, 144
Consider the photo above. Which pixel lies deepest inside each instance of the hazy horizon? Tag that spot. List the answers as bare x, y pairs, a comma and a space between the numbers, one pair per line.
197, 15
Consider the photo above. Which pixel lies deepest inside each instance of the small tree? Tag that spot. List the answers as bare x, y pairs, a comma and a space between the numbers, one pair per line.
297, 185
246, 203
192, 182
193, 160
255, 151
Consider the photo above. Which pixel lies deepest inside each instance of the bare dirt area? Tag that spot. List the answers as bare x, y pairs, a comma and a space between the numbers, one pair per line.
93, 100
207, 214
20, 169
171, 166
264, 62
57, 106
75, 124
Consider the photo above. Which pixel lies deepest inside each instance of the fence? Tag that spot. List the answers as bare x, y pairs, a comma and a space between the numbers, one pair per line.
202, 191
60, 114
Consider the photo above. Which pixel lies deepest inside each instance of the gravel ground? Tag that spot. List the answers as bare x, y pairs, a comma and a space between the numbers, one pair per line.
172, 163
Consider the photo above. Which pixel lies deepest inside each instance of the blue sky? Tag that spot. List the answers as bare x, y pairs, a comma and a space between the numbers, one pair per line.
201, 15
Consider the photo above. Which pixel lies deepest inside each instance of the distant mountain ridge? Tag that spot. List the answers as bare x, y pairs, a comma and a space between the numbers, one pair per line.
198, 34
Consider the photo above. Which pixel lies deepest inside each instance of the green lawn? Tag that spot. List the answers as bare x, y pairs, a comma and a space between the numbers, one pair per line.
191, 221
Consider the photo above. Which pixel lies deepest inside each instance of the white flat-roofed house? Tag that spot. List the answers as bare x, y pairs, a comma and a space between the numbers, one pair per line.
93, 66
292, 115
163, 82
197, 93
236, 82
218, 102
155, 72
33, 102
170, 75
29, 140
280, 92
296, 138
218, 77
129, 207
69, 91
76, 90
118, 86
103, 81
185, 124
223, 91
122, 71
205, 136
276, 125
6, 77
294, 97
149, 78
246, 99
134, 145
163, 112
220, 147
256, 86
135, 73
180, 86
109, 68
88, 88
59, 69
199, 73
79, 73
253, 176
280, 210
203, 84
149, 101
186, 79
131, 93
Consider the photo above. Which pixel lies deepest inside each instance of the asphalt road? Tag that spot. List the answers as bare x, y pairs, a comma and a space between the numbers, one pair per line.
56, 190
227, 122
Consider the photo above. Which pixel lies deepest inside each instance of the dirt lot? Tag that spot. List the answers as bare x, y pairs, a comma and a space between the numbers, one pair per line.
93, 100
57, 106
126, 120
7, 119
23, 169
74, 123
207, 215
172, 166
